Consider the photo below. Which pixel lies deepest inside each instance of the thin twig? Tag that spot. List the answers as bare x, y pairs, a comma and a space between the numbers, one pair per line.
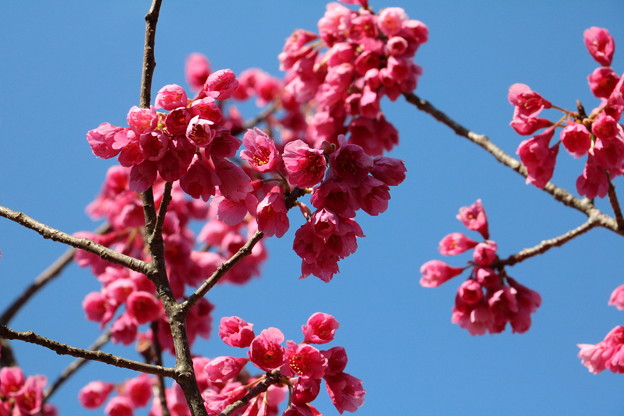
76, 365
149, 61
220, 272
162, 209
82, 243
100, 356
583, 205
160, 381
548, 244
271, 378
615, 204
40, 281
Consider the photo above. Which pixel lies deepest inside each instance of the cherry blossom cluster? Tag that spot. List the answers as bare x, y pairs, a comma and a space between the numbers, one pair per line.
599, 136
488, 299
299, 369
608, 354
133, 293
357, 58
23, 396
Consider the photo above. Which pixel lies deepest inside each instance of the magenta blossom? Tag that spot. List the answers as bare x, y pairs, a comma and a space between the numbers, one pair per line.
265, 351
436, 272
474, 218
319, 329
600, 44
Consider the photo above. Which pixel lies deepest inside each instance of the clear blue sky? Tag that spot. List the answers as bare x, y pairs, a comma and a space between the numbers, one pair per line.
65, 68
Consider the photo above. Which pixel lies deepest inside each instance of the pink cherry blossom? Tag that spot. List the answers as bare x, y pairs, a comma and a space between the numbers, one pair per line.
272, 213
197, 69
593, 182
143, 307
336, 360
221, 84
119, 406
455, 243
124, 330
260, 151
484, 253
390, 20
11, 380
305, 360
617, 298
528, 102
576, 139
94, 394
265, 351
389, 170
345, 391
320, 328
221, 369
538, 158
305, 165
474, 218
143, 120
351, 164
436, 272
372, 196
235, 332
199, 132
600, 44
139, 390
102, 140
171, 97
602, 81
470, 291
305, 390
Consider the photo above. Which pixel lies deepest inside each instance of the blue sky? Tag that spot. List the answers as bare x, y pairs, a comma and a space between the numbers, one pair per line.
64, 70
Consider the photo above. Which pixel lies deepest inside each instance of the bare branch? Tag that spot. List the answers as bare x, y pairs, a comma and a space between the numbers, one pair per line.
76, 365
45, 277
271, 378
149, 61
220, 272
548, 244
156, 351
82, 243
615, 204
583, 205
162, 210
100, 356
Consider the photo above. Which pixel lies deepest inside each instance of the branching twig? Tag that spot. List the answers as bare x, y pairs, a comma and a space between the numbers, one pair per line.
583, 205
271, 378
220, 272
149, 61
45, 277
615, 204
548, 244
100, 356
76, 365
160, 382
82, 243
162, 210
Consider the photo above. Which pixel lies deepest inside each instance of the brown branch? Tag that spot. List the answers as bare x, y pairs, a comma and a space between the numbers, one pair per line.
271, 378
103, 357
40, 281
149, 61
162, 210
76, 365
82, 243
615, 204
583, 205
548, 244
160, 381
220, 272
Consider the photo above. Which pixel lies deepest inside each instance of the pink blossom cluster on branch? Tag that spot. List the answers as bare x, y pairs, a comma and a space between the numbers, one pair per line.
223, 380
489, 298
597, 135
22, 396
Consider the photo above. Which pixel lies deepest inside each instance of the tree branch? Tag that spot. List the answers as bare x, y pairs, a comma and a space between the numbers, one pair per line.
82, 243
40, 281
271, 378
220, 272
583, 205
76, 365
103, 357
162, 210
160, 382
615, 204
548, 244
149, 61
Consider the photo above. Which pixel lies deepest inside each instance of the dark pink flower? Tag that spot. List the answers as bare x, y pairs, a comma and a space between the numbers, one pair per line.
221, 369
320, 328
199, 132
372, 196
94, 394
271, 213
305, 360
593, 182
345, 391
171, 97
436, 272
351, 164
124, 330
235, 332
617, 298
305, 165
389, 170
602, 81
390, 20
265, 351
260, 151
197, 69
305, 390
143, 120
528, 102
221, 84
139, 390
102, 140
600, 44
470, 291
576, 139
336, 360
455, 243
119, 406
474, 218
538, 158
143, 307
484, 253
